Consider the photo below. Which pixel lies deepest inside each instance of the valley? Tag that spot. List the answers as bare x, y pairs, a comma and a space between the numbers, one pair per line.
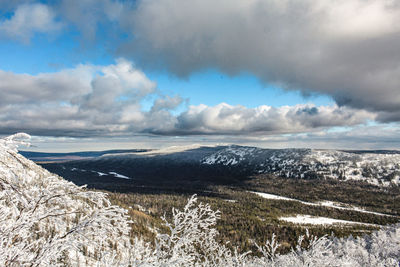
258, 191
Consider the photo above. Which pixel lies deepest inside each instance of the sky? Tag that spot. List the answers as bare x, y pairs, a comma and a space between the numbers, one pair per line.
105, 74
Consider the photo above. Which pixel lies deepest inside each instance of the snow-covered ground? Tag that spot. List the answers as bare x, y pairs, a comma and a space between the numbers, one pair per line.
315, 220
325, 203
100, 173
229, 156
119, 175
271, 196
115, 174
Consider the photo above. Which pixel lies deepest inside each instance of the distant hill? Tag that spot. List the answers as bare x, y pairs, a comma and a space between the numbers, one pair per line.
45, 156
225, 164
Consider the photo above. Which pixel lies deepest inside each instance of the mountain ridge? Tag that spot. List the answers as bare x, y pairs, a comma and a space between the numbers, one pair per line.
377, 167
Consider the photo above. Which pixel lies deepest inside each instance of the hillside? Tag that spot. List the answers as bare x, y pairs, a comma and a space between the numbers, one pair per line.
229, 164
47, 221
375, 167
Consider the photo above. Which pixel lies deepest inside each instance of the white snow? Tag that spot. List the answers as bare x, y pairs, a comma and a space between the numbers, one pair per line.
315, 220
119, 175
100, 173
40, 222
231, 155
271, 196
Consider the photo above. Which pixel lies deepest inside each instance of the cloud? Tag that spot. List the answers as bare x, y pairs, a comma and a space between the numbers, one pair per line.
29, 19
83, 101
227, 119
167, 103
348, 49
93, 100
358, 137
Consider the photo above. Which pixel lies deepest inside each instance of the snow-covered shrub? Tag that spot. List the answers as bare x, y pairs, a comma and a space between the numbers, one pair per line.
191, 240
47, 221
381, 248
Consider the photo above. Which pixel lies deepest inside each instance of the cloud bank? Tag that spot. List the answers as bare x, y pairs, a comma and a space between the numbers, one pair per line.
91, 100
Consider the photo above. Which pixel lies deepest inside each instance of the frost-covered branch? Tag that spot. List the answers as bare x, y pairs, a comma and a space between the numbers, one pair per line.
12, 142
47, 221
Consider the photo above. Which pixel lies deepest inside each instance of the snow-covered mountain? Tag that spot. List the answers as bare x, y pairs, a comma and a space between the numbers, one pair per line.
221, 163
376, 167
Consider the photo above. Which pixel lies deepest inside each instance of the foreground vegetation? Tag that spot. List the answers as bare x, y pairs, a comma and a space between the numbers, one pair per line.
246, 218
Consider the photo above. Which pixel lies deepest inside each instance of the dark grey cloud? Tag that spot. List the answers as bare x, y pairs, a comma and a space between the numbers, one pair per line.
348, 49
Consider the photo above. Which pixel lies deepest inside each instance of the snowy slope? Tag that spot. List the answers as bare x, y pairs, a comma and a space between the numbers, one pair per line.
381, 168
47, 221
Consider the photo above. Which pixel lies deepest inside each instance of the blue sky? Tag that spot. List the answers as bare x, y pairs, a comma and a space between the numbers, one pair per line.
106, 74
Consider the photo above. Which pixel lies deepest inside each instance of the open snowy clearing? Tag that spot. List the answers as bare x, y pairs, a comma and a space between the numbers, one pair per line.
325, 203
314, 220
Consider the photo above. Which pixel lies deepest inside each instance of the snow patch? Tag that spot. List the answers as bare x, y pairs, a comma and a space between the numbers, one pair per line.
315, 220
119, 175
271, 196
100, 173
